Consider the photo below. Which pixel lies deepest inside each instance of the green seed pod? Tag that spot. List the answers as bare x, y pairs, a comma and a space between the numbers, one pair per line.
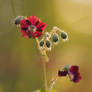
18, 19
55, 38
63, 35
48, 44
41, 43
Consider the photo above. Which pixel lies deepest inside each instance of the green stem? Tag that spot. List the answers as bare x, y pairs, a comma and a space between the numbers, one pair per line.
45, 59
53, 82
43, 52
44, 71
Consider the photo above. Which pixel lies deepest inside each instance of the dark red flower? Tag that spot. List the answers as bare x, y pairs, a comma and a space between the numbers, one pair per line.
74, 74
72, 71
77, 77
32, 27
62, 73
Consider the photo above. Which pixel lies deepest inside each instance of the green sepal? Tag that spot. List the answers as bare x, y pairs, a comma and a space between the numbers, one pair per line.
66, 68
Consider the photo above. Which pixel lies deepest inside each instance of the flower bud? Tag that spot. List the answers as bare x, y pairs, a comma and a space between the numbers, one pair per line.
55, 38
64, 35
18, 19
48, 45
41, 43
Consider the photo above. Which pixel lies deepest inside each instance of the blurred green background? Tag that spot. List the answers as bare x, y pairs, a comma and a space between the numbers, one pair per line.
20, 61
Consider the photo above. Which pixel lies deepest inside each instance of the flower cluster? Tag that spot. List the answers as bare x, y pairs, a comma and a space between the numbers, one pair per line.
31, 27
72, 71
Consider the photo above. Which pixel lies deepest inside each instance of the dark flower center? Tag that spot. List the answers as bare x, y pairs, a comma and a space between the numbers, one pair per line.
32, 28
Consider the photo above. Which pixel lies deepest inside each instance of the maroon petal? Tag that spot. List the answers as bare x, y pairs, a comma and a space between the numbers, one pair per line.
23, 24
33, 20
41, 26
62, 73
25, 33
77, 77
74, 69
74, 74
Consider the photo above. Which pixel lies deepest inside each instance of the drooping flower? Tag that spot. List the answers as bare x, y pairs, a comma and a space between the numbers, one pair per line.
74, 74
32, 27
72, 71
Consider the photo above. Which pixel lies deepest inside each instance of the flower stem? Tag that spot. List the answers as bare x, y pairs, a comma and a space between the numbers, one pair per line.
43, 52
45, 59
44, 71
52, 83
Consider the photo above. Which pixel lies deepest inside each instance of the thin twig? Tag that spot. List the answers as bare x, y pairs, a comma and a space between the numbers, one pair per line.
53, 82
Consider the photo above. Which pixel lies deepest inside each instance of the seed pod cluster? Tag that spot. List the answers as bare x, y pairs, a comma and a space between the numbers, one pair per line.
57, 33
45, 42
53, 38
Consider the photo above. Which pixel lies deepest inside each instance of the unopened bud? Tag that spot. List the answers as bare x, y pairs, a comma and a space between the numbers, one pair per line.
55, 38
18, 19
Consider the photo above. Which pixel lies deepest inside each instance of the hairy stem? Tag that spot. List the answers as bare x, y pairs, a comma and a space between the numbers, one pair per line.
52, 83
45, 79
45, 59
43, 52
